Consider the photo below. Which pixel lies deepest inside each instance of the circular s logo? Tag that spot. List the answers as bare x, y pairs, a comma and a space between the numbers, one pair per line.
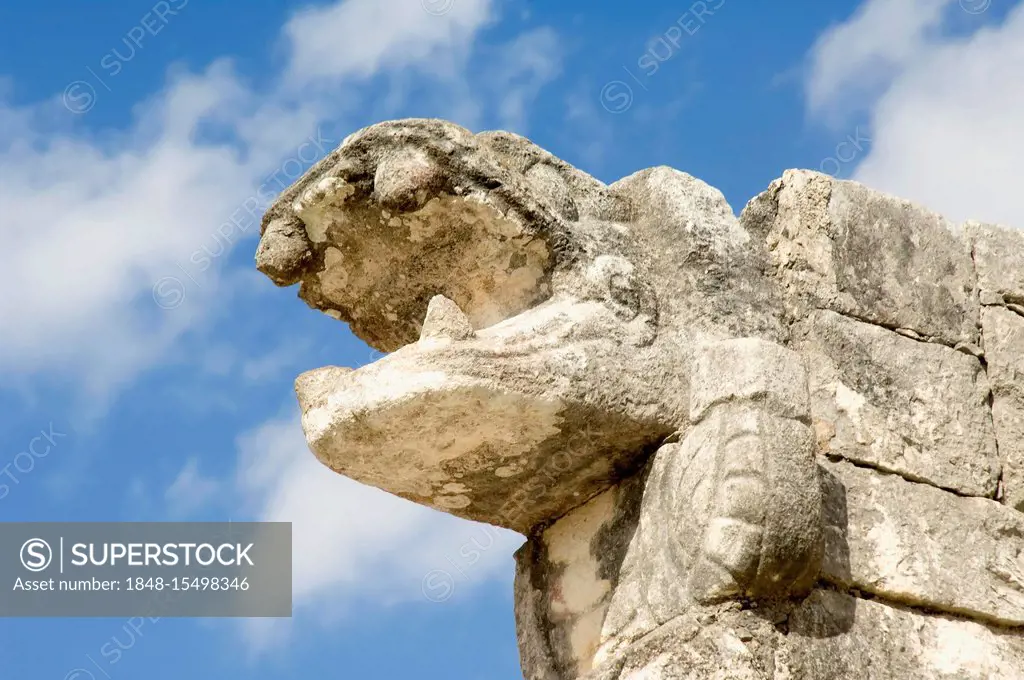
36, 554
79, 97
79, 674
437, 7
168, 292
616, 96
975, 6
438, 585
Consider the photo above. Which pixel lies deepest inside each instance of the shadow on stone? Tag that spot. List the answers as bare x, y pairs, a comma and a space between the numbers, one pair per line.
818, 617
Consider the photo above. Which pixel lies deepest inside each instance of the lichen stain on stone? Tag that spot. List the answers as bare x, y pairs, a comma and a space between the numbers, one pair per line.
584, 593
319, 207
453, 502
400, 437
456, 246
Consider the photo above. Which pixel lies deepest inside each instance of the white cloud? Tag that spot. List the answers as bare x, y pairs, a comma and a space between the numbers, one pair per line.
190, 491
853, 58
87, 227
91, 221
90, 225
363, 37
353, 542
945, 130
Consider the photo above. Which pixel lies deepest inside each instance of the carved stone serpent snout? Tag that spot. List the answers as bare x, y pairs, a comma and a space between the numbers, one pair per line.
747, 492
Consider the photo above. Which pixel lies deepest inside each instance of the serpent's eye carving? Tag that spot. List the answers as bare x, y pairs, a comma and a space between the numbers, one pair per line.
615, 281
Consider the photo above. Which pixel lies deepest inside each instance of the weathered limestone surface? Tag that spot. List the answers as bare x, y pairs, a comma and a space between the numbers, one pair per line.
832, 635
999, 258
1004, 351
838, 245
828, 636
918, 409
916, 544
786, 445
605, 585
733, 510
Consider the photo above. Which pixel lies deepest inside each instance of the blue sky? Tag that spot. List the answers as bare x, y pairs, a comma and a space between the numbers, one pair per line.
137, 335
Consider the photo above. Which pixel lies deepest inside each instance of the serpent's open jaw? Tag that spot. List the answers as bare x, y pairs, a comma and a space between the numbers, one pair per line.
488, 424
498, 401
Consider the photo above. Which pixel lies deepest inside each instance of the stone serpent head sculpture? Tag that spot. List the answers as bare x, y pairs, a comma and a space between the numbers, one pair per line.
810, 414
546, 335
